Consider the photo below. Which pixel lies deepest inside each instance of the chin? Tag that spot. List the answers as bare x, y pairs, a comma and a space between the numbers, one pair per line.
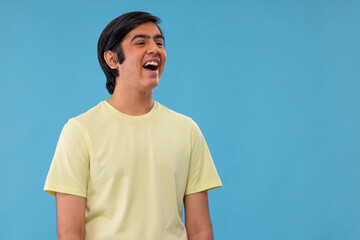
151, 84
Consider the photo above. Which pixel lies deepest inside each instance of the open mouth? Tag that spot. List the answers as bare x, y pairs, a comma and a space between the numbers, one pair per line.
151, 65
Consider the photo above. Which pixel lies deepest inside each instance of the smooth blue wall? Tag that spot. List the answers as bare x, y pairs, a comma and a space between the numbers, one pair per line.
274, 86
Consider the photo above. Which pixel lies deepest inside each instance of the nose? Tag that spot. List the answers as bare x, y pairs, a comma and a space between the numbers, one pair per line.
153, 48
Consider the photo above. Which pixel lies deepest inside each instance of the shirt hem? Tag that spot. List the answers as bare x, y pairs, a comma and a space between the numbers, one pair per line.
53, 189
203, 187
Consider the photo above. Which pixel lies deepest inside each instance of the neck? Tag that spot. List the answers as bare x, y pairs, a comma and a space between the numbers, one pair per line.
133, 103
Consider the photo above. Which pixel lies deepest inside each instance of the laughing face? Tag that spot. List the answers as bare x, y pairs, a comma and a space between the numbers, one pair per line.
145, 58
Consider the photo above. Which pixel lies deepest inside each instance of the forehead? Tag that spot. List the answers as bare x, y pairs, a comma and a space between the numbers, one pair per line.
148, 28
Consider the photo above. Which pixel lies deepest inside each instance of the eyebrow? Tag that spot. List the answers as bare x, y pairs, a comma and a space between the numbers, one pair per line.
157, 36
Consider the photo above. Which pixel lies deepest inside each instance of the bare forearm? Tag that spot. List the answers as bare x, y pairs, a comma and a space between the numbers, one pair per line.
70, 216
201, 236
197, 217
200, 232
70, 237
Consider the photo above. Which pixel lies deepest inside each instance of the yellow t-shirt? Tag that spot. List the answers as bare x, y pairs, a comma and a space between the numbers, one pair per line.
133, 170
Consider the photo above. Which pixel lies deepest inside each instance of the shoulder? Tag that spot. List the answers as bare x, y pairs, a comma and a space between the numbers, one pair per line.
167, 112
92, 114
95, 117
79, 124
180, 120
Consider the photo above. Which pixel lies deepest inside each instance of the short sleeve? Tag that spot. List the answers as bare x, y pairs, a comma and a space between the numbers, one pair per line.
69, 170
202, 171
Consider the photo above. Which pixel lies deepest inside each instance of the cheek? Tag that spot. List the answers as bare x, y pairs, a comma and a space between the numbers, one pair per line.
164, 55
133, 65
164, 59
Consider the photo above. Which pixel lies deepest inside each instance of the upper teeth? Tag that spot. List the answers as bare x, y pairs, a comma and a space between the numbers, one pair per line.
152, 63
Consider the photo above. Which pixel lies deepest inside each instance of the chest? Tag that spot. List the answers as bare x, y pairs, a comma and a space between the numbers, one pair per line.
127, 152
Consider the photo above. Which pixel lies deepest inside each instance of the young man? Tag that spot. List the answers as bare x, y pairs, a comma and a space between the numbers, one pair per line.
123, 169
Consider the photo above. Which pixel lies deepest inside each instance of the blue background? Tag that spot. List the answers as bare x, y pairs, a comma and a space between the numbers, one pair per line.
274, 86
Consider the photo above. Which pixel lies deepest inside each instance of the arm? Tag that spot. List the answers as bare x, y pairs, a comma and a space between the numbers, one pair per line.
197, 216
70, 216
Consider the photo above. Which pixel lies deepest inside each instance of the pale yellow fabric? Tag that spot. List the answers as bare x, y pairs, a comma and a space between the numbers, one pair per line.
133, 170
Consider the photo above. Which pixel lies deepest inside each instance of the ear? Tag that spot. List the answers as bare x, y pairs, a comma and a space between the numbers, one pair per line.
111, 59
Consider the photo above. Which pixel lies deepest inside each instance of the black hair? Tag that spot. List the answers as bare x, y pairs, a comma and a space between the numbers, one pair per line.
112, 36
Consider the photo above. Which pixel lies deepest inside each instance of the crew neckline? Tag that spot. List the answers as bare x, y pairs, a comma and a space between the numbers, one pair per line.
132, 117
